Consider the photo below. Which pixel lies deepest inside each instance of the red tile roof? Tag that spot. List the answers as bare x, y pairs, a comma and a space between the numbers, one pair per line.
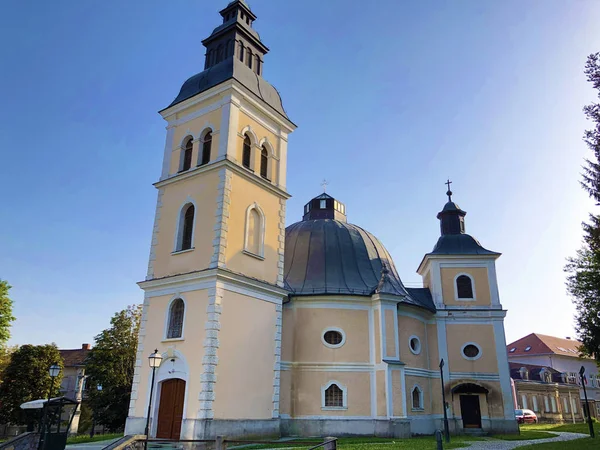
539, 344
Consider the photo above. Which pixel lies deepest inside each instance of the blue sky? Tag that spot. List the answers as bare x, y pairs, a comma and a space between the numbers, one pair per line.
391, 98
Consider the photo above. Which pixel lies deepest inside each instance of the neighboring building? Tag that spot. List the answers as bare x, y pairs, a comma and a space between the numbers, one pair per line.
546, 392
304, 330
563, 356
73, 378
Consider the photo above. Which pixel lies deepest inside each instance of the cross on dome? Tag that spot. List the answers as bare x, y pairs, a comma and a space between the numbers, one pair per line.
449, 192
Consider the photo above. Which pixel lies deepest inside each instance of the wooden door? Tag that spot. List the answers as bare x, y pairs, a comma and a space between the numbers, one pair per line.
470, 411
170, 409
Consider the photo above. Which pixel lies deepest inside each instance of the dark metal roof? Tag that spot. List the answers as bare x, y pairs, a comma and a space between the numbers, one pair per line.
332, 257
225, 70
459, 244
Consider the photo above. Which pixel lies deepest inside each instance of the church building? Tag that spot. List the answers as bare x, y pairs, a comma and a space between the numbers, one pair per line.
306, 330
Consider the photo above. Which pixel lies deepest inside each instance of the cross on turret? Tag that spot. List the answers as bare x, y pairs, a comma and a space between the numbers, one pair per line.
449, 192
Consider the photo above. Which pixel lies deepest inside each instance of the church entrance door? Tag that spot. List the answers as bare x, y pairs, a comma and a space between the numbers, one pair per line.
470, 411
170, 409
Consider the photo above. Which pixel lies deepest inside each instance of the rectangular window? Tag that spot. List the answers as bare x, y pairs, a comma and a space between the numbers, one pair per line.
535, 403
566, 403
546, 403
553, 399
323, 204
524, 401
574, 405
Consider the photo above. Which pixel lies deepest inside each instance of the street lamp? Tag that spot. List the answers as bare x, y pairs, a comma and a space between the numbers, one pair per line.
154, 360
446, 430
53, 371
587, 405
99, 389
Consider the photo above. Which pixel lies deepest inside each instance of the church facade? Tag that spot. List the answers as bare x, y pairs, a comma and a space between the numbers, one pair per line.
304, 330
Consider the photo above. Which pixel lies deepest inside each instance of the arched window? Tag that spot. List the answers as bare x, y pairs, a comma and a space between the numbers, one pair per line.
219, 53
464, 287
241, 51
334, 397
246, 152
176, 313
417, 398
206, 146
249, 58
264, 162
253, 235
186, 228
186, 159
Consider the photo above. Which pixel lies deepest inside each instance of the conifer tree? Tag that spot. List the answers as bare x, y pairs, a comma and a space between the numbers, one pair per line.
583, 280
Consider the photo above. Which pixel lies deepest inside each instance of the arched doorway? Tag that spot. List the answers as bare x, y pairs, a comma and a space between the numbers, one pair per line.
470, 406
170, 409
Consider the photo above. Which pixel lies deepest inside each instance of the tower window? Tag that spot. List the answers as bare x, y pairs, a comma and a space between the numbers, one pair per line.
417, 398
464, 287
246, 152
241, 51
471, 351
415, 345
323, 204
219, 53
186, 160
334, 397
255, 231
185, 232
249, 58
206, 146
264, 162
176, 313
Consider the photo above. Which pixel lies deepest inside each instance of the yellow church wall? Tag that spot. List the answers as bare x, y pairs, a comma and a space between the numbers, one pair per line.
285, 392
195, 311
381, 393
407, 327
243, 194
423, 384
481, 288
307, 393
261, 133
246, 350
194, 128
432, 346
287, 334
310, 323
202, 190
390, 333
397, 393
435, 400
483, 336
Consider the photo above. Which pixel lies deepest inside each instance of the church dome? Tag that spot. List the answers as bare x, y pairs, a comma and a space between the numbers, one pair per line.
326, 255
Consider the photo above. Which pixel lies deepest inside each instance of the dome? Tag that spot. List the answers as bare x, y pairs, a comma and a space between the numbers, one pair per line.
327, 256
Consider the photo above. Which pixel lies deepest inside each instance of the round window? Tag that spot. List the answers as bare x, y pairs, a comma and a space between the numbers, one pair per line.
471, 351
415, 345
333, 337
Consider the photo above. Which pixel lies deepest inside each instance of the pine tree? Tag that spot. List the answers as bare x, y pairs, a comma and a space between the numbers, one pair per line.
583, 280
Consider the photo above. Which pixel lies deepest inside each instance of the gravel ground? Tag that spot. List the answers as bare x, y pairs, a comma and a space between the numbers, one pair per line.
507, 445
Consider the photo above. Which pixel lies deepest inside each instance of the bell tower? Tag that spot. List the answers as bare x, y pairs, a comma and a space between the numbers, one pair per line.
214, 287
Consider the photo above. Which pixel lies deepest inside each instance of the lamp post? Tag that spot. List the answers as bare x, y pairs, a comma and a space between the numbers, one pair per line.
99, 389
154, 360
53, 371
446, 431
587, 405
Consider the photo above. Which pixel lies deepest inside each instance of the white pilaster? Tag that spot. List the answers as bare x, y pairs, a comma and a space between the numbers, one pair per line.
167, 152
282, 175
503, 369
230, 113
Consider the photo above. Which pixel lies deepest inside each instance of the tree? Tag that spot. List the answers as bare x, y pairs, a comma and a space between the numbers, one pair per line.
27, 378
6, 317
110, 364
583, 280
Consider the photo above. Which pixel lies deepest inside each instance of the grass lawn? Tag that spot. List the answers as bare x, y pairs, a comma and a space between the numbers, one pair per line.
579, 444
567, 427
525, 435
83, 438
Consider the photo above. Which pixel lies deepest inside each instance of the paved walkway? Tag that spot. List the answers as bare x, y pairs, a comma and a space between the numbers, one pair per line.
98, 445
508, 445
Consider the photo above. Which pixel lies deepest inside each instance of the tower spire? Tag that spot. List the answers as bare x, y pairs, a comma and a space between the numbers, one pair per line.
452, 218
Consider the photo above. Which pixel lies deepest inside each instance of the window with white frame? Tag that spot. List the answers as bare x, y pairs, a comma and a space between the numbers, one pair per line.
524, 401
175, 323
255, 231
574, 405
186, 155
414, 343
546, 404
536, 407
553, 401
566, 404
323, 204
417, 398
334, 396
185, 229
464, 287
206, 148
